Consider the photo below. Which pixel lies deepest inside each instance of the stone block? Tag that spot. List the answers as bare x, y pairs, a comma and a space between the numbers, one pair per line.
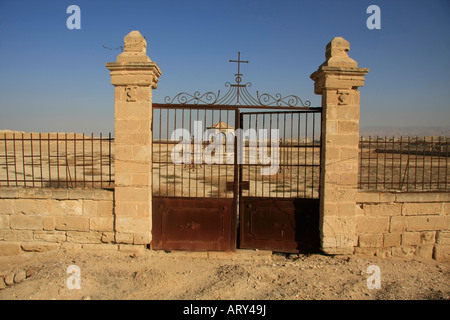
48, 223
126, 238
417, 197
425, 223
7, 206
105, 208
424, 252
403, 251
443, 237
422, 209
389, 209
442, 252
60, 194
142, 238
39, 246
370, 240
84, 237
24, 222
9, 193
33, 207
366, 252
72, 223
366, 224
384, 252
428, 237
392, 239
5, 221
16, 235
105, 195
50, 236
398, 224
367, 197
132, 225
9, 249
102, 223
78, 194
410, 238
67, 207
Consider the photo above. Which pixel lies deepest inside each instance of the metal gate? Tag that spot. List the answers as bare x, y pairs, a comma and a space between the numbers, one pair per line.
225, 179
279, 210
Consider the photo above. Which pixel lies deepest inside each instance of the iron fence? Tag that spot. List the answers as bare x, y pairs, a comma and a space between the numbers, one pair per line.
61, 160
404, 164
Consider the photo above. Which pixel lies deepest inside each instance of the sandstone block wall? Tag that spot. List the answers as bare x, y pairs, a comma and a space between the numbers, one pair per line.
50, 219
405, 225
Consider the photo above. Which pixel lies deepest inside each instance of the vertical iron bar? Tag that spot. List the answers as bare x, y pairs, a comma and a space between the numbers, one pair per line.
49, 165
174, 166
439, 165
84, 162
400, 170
75, 157
67, 161
392, 152
298, 154
415, 166
23, 162
15, 156
6, 160
376, 170
306, 150
368, 162
182, 170
32, 157
423, 157
191, 147
101, 160
167, 152
313, 151
57, 155
109, 156
92, 158
431, 163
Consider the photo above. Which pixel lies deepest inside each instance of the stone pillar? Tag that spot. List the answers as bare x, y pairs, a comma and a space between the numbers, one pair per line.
134, 76
337, 80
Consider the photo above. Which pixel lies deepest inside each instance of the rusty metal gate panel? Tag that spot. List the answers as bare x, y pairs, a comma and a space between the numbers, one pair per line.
282, 225
193, 224
194, 201
279, 210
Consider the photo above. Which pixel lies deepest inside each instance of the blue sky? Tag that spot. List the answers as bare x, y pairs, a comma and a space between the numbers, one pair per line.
55, 79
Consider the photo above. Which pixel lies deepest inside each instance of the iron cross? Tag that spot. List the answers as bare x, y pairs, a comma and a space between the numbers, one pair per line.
239, 61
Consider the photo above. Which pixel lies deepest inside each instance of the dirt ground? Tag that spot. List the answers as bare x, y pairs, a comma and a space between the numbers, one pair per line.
245, 275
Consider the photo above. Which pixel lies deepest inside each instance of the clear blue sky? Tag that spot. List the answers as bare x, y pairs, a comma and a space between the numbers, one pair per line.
55, 79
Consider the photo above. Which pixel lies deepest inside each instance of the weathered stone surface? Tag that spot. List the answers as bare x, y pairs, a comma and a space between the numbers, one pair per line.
442, 252
39, 246
9, 279
9, 249
20, 276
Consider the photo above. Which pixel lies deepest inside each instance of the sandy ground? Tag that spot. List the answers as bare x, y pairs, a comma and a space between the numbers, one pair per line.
246, 275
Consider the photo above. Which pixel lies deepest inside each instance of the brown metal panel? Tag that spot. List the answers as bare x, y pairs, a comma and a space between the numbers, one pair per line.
194, 224
284, 225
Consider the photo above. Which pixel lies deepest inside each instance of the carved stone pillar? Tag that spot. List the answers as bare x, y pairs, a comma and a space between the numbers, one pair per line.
337, 80
134, 76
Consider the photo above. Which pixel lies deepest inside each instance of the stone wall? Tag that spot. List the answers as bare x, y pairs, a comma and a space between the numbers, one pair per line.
41, 219
405, 225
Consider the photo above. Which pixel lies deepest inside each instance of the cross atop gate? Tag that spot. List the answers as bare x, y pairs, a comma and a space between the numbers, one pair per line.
239, 61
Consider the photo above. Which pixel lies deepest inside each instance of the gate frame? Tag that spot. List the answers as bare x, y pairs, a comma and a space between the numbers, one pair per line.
134, 76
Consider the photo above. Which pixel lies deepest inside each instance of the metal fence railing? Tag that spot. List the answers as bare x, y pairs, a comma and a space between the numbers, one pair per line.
404, 164
60, 160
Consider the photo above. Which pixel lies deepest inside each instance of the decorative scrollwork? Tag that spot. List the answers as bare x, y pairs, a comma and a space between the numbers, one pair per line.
196, 98
288, 101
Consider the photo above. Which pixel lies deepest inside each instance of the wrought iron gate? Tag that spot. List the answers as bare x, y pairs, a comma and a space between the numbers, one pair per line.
223, 179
